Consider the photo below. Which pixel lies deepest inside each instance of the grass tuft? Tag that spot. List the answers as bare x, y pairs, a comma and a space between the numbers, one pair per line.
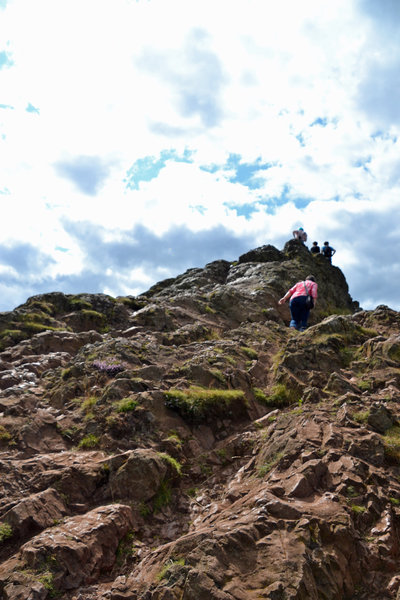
196, 404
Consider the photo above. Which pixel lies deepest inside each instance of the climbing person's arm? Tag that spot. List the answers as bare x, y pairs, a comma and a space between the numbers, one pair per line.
285, 297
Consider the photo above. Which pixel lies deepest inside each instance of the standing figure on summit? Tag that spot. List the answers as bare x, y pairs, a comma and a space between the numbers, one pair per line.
315, 249
300, 234
328, 251
300, 302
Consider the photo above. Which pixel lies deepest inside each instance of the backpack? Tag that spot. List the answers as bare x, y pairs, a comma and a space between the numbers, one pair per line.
309, 298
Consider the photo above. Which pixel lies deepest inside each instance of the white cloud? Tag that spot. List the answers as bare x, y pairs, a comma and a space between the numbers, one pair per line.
309, 88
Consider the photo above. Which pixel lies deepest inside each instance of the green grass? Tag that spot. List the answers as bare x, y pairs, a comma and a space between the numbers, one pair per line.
88, 404
175, 439
5, 436
359, 510
175, 464
163, 496
281, 396
126, 405
249, 352
260, 396
5, 531
391, 443
169, 565
90, 441
365, 386
219, 376
209, 310
196, 403
270, 464
361, 416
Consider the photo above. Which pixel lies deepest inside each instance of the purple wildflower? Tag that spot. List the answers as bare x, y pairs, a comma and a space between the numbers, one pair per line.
110, 369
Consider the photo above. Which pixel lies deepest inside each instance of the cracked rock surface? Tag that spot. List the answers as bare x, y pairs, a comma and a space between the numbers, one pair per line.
185, 444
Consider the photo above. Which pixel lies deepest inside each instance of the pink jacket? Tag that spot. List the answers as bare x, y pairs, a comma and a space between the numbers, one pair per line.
299, 290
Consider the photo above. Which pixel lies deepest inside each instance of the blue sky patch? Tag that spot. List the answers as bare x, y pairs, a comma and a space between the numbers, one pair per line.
244, 210
210, 168
5, 60
320, 121
32, 109
201, 209
245, 172
149, 167
300, 139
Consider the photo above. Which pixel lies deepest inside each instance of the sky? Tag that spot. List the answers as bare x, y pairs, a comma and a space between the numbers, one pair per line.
140, 138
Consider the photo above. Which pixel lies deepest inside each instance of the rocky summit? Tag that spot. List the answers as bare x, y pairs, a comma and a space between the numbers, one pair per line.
185, 444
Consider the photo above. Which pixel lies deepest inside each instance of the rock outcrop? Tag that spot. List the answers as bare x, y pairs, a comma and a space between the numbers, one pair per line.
186, 444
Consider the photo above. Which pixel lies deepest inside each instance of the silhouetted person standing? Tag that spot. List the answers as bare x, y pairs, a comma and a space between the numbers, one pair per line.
315, 249
328, 251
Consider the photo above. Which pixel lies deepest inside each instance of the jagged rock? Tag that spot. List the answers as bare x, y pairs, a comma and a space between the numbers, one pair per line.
292, 491
380, 418
36, 512
80, 549
137, 475
263, 254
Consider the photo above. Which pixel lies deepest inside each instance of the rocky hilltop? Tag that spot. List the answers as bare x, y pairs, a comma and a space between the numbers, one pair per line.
185, 444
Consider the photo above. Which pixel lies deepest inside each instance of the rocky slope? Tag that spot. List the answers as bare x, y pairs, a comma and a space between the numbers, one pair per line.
186, 445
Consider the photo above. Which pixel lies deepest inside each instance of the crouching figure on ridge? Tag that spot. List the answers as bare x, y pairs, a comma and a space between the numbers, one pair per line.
303, 297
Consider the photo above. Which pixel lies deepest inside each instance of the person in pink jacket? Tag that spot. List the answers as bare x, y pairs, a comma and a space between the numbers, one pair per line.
299, 309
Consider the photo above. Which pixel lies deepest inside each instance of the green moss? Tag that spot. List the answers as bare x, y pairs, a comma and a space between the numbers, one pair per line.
90, 441
197, 403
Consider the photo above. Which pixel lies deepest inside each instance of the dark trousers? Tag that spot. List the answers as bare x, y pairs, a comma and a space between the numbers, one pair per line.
299, 312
